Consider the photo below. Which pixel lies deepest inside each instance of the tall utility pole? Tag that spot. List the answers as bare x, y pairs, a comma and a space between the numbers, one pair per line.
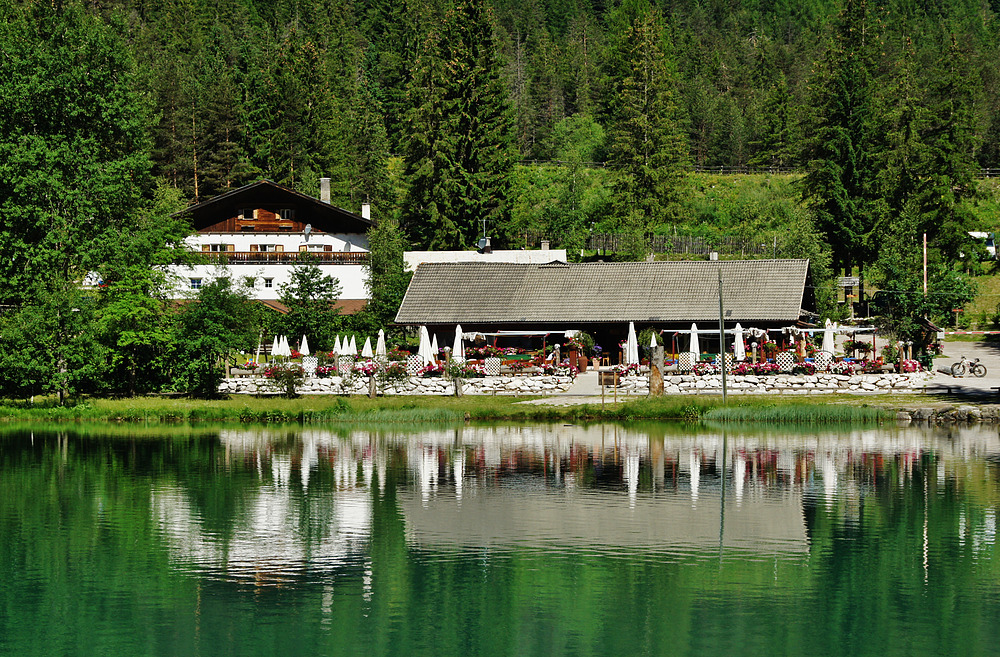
722, 339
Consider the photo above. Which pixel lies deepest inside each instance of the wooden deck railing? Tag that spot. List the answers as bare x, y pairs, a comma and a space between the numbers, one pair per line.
289, 257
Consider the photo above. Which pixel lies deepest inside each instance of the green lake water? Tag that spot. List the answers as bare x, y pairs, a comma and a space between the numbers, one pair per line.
654, 539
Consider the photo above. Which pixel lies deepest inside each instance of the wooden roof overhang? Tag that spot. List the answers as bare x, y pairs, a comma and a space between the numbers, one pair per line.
323, 217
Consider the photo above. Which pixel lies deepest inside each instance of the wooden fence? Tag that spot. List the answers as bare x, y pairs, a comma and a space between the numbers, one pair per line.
683, 244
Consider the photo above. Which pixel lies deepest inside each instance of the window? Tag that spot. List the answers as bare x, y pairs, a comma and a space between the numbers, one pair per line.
247, 214
268, 282
286, 214
221, 248
266, 248
195, 283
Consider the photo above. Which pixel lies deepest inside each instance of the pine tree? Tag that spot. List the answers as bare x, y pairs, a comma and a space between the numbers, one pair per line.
840, 185
459, 158
647, 140
950, 168
776, 146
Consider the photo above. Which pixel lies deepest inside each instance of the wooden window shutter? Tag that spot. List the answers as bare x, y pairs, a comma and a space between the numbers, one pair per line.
231, 248
280, 248
253, 247
328, 247
303, 248
206, 247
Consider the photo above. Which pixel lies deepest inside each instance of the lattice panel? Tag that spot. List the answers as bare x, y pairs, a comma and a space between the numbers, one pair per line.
729, 362
686, 361
785, 360
413, 365
309, 364
492, 366
822, 360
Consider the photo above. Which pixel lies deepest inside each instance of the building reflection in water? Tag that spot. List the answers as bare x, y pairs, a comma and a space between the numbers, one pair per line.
603, 489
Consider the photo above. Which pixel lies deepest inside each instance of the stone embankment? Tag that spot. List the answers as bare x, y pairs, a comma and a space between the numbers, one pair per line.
358, 385
986, 413
802, 384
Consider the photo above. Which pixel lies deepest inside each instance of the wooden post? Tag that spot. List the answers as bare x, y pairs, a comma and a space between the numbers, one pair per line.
372, 387
656, 373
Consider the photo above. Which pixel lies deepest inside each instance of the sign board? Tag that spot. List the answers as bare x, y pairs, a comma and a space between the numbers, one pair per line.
849, 281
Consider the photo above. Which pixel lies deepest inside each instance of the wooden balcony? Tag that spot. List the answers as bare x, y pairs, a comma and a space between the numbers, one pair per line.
288, 257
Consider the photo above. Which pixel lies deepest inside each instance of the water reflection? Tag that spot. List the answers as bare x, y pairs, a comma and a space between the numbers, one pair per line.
598, 489
539, 540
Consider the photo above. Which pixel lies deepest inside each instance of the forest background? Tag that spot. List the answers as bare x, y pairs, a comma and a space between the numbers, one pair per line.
574, 121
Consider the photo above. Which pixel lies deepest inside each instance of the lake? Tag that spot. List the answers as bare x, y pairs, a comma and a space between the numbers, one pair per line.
651, 539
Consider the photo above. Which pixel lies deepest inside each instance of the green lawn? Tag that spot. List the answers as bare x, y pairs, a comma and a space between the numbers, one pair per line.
423, 410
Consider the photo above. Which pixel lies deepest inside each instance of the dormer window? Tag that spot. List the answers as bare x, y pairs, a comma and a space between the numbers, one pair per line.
247, 214
286, 214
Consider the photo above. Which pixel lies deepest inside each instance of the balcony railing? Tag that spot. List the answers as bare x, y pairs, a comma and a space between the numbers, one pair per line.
289, 257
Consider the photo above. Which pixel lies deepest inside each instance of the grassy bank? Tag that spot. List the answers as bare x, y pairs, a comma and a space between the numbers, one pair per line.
437, 410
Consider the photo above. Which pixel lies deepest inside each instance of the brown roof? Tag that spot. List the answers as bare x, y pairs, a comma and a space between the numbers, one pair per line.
323, 216
346, 306
506, 293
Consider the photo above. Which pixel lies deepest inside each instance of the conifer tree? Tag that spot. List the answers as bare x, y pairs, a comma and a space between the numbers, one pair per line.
459, 158
840, 185
648, 145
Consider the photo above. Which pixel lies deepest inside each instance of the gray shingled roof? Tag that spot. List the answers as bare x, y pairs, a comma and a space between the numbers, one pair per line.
506, 293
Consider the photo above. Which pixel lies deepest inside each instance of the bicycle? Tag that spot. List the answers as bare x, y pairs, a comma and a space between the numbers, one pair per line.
973, 367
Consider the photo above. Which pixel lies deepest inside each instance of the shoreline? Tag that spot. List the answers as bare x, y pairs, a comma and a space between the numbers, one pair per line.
315, 409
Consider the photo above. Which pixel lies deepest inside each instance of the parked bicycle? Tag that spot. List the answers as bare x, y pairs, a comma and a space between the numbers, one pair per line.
974, 367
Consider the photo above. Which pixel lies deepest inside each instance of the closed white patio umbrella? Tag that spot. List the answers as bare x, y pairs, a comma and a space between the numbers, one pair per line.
275, 346
695, 347
458, 350
337, 347
631, 346
304, 346
350, 349
739, 350
366, 351
380, 350
828, 336
424, 350
286, 351
434, 346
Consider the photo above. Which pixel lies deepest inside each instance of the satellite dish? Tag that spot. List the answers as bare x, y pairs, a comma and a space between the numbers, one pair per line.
307, 230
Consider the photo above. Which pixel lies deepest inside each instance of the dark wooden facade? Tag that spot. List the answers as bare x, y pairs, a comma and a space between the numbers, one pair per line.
267, 207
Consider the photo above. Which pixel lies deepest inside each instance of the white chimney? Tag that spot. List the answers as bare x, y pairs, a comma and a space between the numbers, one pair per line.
324, 190
545, 245
366, 211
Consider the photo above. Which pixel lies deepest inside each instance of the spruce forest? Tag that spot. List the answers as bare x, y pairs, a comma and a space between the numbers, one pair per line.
868, 124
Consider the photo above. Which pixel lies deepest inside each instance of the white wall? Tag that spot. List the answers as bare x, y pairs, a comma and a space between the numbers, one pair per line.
351, 277
534, 257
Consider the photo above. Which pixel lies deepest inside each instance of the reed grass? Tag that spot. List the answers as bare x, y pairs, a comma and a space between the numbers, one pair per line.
800, 414
437, 410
